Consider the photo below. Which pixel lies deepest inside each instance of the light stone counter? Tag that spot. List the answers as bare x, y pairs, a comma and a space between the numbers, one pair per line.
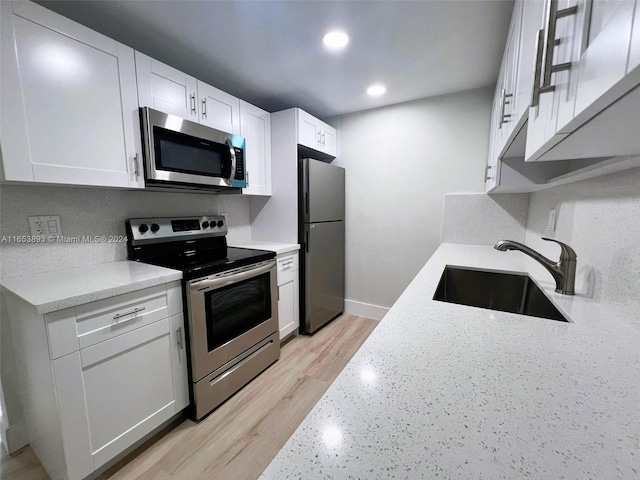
57, 290
279, 248
442, 390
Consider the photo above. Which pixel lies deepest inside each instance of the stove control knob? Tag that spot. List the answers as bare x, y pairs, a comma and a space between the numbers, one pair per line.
143, 228
205, 224
155, 227
220, 223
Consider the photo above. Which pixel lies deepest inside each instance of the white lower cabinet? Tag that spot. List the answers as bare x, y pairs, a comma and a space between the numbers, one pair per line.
91, 404
288, 294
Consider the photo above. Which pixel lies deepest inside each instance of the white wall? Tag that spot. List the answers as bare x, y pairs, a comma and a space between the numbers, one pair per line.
600, 219
400, 161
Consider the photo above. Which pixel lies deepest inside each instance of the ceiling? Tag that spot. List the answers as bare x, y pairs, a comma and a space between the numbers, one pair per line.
270, 53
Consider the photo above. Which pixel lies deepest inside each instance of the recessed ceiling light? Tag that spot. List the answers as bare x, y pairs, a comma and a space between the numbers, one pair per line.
375, 90
335, 40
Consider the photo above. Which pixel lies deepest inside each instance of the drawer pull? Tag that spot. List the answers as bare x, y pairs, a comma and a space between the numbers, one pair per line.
135, 310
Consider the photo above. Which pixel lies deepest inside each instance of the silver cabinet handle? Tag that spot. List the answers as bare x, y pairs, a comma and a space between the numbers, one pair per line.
319, 138
193, 103
323, 142
504, 117
548, 68
179, 335
247, 178
204, 107
535, 94
136, 167
135, 310
486, 173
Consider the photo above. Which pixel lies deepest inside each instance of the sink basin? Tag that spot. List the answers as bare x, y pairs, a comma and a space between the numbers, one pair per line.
502, 291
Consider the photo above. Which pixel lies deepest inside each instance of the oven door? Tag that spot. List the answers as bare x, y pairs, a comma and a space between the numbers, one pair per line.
229, 313
180, 151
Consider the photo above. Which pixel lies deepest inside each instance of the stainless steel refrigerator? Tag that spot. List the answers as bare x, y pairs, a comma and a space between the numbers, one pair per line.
321, 236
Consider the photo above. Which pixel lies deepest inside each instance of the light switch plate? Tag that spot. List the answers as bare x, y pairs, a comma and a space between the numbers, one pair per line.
45, 225
551, 222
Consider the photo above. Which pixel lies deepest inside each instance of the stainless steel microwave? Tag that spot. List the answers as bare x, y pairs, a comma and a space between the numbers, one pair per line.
183, 154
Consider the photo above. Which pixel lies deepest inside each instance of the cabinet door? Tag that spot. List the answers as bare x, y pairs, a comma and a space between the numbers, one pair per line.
218, 109
603, 62
491, 174
508, 117
179, 362
634, 48
309, 133
255, 126
329, 140
532, 21
70, 94
288, 303
166, 89
556, 95
128, 388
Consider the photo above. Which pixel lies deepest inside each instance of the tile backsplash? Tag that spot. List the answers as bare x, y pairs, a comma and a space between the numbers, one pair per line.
95, 212
600, 219
479, 219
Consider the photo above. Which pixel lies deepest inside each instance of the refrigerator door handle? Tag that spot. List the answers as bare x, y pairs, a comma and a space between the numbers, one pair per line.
306, 203
306, 241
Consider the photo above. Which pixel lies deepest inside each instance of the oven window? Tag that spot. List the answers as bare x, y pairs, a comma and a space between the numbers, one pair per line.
236, 309
177, 152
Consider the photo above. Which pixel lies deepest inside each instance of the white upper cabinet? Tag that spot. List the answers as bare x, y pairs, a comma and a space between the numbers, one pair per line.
255, 126
171, 91
582, 68
166, 89
315, 134
604, 60
634, 48
69, 102
218, 109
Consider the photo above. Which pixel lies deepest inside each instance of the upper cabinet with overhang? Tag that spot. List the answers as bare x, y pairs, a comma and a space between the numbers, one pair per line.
171, 91
316, 134
580, 115
69, 102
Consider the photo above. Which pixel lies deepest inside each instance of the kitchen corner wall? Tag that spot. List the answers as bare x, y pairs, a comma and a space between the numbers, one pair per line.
400, 161
94, 212
600, 219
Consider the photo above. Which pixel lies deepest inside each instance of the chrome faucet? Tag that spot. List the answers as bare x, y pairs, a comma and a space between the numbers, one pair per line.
563, 271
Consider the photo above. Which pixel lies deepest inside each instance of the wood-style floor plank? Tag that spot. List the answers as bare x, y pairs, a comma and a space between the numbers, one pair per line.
243, 435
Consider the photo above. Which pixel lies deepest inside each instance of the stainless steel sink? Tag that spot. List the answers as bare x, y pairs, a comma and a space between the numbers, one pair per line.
502, 291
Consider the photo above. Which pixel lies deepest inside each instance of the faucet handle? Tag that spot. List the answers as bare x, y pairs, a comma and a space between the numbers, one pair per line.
567, 253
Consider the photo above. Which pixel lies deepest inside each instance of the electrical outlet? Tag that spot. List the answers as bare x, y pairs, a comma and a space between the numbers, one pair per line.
45, 225
551, 221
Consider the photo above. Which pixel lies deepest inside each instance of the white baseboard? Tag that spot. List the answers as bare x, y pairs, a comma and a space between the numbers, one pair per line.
365, 309
15, 437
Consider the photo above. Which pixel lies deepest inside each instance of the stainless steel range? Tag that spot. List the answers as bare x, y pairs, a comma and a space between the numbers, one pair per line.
230, 298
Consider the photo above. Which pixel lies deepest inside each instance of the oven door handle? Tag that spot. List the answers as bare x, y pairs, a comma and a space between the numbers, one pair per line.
209, 283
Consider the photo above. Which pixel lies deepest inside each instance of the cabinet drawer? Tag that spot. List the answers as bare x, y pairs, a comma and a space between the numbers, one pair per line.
287, 263
85, 325
105, 319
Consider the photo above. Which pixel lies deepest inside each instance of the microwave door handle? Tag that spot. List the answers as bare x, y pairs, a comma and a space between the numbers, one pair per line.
233, 161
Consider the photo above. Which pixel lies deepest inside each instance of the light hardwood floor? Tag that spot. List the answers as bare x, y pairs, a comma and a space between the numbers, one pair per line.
240, 438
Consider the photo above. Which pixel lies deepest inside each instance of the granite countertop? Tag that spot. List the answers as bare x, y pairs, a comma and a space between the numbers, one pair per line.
450, 391
271, 246
52, 291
